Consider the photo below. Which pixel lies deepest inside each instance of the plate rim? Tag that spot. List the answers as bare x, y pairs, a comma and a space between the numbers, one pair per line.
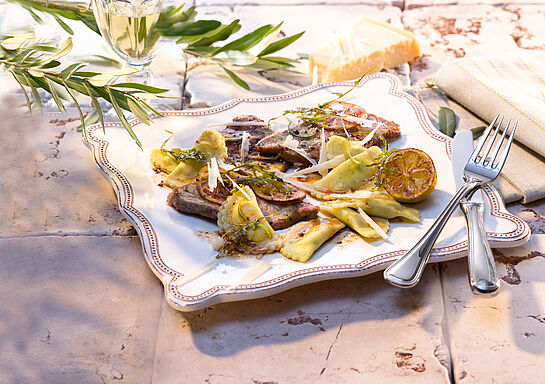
222, 293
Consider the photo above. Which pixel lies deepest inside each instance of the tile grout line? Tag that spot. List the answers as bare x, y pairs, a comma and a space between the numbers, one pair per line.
163, 301
445, 325
64, 234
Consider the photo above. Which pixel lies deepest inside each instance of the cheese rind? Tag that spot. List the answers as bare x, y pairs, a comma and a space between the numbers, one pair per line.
366, 45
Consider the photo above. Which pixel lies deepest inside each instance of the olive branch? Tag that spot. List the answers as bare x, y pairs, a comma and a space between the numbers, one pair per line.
254, 51
33, 66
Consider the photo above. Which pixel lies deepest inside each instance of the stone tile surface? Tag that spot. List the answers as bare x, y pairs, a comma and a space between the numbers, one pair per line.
344, 3
340, 331
499, 339
73, 313
48, 181
454, 31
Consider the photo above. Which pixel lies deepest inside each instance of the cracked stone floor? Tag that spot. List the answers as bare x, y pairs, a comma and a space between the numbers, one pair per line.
72, 314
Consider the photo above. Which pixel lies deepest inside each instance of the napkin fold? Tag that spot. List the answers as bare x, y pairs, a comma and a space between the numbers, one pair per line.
512, 86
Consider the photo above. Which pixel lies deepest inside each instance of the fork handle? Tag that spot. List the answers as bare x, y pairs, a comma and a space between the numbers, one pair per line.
483, 276
406, 272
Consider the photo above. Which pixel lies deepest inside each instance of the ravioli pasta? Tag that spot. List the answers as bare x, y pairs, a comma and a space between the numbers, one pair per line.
353, 173
303, 239
354, 220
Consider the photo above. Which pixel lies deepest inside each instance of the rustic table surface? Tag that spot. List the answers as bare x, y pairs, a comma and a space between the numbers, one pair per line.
62, 238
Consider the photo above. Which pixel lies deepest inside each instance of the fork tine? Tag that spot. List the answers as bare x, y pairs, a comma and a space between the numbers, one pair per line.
498, 147
503, 157
483, 140
490, 143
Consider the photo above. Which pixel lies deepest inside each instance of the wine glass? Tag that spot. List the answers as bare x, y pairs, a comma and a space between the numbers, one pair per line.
128, 26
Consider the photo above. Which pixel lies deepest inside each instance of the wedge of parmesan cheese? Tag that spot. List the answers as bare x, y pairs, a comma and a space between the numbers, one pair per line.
366, 44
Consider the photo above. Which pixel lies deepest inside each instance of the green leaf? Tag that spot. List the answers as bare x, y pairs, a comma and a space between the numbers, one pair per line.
142, 87
430, 83
477, 131
96, 104
447, 121
69, 71
90, 119
237, 58
219, 34
55, 95
34, 91
81, 117
280, 44
16, 42
29, 106
138, 111
191, 28
63, 25
247, 41
64, 50
235, 78
122, 118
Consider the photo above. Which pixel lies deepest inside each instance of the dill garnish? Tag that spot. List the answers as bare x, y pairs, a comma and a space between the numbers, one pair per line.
182, 154
381, 163
258, 177
310, 116
237, 235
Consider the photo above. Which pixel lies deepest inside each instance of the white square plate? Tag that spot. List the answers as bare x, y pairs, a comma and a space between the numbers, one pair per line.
175, 244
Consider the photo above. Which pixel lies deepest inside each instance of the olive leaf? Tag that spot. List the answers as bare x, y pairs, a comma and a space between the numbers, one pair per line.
447, 121
477, 131
235, 78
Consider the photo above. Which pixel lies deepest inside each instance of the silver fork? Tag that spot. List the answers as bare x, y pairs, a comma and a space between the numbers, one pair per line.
480, 169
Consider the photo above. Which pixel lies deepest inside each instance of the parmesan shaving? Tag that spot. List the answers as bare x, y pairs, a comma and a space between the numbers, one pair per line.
244, 146
225, 166
239, 124
323, 153
192, 275
299, 184
372, 223
358, 120
368, 138
238, 187
321, 167
352, 195
214, 174
253, 274
315, 75
212, 179
293, 144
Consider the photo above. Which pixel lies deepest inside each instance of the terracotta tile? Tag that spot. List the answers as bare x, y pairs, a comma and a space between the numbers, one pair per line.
74, 313
338, 331
508, 329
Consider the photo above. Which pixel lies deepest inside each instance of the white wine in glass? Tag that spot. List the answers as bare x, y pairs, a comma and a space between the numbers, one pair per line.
128, 26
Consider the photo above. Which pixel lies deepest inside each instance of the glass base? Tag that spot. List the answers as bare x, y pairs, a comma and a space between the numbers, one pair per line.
143, 76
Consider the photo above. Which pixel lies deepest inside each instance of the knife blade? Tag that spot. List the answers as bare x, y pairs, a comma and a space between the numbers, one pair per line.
483, 277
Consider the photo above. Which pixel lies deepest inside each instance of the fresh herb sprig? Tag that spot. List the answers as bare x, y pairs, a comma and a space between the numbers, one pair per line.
381, 163
316, 116
33, 66
237, 235
257, 176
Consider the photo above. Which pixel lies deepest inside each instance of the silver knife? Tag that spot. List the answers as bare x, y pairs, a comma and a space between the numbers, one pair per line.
483, 276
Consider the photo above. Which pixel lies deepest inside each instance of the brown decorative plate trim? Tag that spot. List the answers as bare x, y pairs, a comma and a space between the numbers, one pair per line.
220, 293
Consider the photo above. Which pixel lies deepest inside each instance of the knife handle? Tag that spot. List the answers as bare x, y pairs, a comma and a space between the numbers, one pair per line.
406, 272
483, 276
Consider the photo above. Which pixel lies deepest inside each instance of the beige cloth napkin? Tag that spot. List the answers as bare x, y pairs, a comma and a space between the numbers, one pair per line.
513, 86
